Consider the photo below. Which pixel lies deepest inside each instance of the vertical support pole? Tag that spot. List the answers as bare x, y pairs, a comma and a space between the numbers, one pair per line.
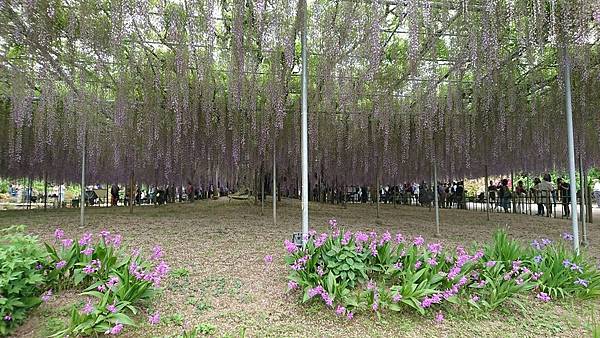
82, 198
512, 191
304, 126
274, 187
107, 187
435, 198
571, 149
582, 203
45, 191
131, 193
487, 194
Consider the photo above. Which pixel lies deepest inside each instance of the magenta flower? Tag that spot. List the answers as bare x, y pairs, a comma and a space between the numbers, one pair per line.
112, 281
101, 288
8, 318
154, 319
432, 262
435, 248
475, 298
89, 269
418, 241
347, 237
61, 264
157, 253
115, 330
135, 252
340, 310
116, 240
292, 285
418, 264
350, 315
371, 285
490, 264
46, 296
268, 259
399, 238
386, 237
59, 233
537, 275
105, 234
567, 236
67, 242
87, 308
439, 317
321, 240
544, 297
112, 308
373, 248
290, 246
398, 266
332, 223
88, 251
396, 298
86, 239
360, 236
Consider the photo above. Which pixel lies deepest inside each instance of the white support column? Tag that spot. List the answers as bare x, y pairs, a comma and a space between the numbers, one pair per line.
571, 150
304, 126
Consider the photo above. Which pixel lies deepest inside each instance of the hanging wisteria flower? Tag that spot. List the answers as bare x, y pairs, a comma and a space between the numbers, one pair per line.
292, 285
46, 296
581, 282
567, 236
544, 297
86, 239
59, 234
154, 319
61, 264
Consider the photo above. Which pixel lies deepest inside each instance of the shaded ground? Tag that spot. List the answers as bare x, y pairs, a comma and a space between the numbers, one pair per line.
222, 244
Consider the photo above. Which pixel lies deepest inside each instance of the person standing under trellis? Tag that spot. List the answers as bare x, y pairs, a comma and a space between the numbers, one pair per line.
504, 195
565, 196
114, 192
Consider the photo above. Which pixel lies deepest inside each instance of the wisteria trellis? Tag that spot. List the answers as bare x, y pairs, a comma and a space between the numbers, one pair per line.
202, 90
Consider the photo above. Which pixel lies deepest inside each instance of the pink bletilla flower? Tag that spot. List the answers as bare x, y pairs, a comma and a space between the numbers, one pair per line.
350, 315
46, 296
399, 238
398, 266
290, 246
88, 251
347, 237
418, 265
292, 285
101, 288
544, 297
332, 223
112, 308
396, 298
89, 269
300, 263
88, 308
268, 259
116, 241
61, 264
371, 285
8, 318
112, 281
321, 240
340, 310
67, 242
475, 298
432, 262
104, 234
154, 319
360, 237
115, 330
157, 253
386, 237
86, 239
537, 275
490, 264
373, 248
135, 252
434, 248
59, 233
439, 317
418, 241
453, 273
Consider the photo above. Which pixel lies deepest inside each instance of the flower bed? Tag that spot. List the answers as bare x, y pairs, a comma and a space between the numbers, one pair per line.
360, 272
114, 282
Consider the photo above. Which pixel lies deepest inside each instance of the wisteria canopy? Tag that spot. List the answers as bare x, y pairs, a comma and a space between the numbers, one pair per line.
174, 90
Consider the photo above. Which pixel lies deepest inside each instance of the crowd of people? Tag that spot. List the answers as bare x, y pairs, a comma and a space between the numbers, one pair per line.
162, 194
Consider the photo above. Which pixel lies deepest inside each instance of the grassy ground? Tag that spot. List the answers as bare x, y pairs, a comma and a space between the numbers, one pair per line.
219, 279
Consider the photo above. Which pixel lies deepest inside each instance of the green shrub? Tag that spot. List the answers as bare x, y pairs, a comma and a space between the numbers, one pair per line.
22, 263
